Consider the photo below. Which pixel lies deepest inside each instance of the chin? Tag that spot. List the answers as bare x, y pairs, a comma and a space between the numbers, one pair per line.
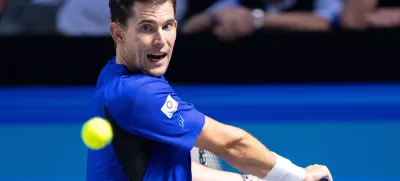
157, 72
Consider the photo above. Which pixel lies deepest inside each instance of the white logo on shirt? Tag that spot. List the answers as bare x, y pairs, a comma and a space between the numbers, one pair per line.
181, 121
170, 106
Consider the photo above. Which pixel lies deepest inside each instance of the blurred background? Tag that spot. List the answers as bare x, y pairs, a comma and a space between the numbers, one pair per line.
318, 82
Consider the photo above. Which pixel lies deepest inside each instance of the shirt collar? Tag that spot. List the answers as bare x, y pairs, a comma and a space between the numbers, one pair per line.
119, 68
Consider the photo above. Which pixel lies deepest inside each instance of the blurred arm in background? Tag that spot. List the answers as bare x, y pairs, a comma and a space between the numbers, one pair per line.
361, 14
234, 21
325, 12
204, 20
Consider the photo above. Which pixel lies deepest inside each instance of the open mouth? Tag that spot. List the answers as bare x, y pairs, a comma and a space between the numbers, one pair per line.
155, 57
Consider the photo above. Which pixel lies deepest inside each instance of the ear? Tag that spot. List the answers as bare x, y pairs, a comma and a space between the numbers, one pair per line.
116, 32
176, 24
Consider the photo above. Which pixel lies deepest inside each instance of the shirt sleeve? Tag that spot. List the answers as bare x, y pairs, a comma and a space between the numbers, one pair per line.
154, 111
221, 4
328, 9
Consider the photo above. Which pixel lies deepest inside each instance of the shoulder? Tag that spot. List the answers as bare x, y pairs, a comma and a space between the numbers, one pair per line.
132, 87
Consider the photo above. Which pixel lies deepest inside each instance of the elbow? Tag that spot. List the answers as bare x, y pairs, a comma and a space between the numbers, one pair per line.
235, 147
221, 139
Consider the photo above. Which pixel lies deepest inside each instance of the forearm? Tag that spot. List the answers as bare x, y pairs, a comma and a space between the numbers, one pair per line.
202, 173
296, 21
197, 23
244, 152
380, 10
383, 18
249, 155
355, 12
204, 20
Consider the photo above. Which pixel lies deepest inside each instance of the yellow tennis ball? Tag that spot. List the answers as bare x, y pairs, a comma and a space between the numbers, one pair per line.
97, 133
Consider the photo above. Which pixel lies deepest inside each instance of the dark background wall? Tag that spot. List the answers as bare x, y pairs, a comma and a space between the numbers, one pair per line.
264, 58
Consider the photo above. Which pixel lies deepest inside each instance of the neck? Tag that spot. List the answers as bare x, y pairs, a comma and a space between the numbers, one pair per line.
122, 58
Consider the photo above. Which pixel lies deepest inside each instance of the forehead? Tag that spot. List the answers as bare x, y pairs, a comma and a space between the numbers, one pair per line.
157, 12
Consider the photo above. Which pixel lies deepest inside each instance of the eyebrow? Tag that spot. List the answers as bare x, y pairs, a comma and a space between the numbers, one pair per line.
154, 22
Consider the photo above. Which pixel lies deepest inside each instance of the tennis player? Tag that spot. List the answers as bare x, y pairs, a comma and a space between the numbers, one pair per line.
154, 129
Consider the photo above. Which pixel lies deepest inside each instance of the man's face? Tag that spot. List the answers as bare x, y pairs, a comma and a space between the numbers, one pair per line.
149, 37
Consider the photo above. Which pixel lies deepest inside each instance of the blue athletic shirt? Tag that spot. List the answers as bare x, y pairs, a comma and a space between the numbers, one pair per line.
154, 130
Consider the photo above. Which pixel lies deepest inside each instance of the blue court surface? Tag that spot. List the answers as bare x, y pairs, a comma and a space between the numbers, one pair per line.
354, 129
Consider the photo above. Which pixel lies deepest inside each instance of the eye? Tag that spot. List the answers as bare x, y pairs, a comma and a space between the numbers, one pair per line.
168, 26
146, 28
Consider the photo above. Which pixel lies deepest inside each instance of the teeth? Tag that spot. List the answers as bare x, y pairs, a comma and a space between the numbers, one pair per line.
157, 54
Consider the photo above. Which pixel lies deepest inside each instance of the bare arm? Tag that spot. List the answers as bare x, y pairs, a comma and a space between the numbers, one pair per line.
354, 14
296, 21
202, 21
324, 12
291, 21
246, 153
197, 23
237, 147
202, 173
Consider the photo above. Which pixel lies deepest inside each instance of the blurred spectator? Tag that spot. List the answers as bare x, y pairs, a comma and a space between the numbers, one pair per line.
29, 17
84, 18
92, 17
232, 19
12, 20
2, 6
361, 14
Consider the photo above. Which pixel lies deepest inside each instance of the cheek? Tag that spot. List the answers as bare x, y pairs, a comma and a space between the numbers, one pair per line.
135, 45
130, 41
143, 42
171, 39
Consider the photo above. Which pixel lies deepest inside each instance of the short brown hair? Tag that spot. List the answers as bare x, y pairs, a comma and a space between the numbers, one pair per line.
121, 10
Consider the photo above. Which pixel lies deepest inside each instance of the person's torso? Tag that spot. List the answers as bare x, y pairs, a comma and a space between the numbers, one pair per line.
130, 157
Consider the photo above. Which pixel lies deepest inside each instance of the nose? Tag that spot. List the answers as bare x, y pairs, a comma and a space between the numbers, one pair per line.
159, 40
